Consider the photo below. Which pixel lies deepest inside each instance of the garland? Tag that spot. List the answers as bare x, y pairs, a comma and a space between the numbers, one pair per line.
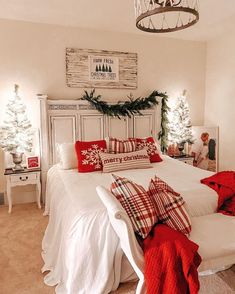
163, 134
123, 108
131, 107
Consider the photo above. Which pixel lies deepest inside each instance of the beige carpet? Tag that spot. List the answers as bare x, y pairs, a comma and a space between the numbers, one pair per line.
20, 260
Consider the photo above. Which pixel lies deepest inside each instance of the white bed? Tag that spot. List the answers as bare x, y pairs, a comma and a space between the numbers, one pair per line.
80, 247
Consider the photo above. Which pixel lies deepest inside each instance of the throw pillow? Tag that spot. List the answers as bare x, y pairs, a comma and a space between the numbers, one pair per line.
67, 156
88, 155
120, 146
169, 206
151, 147
137, 203
123, 161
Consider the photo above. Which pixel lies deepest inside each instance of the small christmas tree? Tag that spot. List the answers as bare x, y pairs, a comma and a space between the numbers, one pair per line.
180, 124
17, 134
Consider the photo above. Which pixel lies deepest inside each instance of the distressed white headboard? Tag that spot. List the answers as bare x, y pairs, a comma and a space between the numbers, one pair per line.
64, 121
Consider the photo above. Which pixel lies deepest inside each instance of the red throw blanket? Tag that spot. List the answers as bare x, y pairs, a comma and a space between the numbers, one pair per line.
171, 262
224, 184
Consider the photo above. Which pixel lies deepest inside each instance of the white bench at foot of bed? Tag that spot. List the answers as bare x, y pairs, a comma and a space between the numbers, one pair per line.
214, 233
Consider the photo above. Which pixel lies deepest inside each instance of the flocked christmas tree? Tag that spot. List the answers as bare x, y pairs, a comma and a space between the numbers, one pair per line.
180, 128
16, 134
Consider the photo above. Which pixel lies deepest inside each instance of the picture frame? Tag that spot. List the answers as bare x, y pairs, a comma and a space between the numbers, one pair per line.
205, 147
32, 162
90, 68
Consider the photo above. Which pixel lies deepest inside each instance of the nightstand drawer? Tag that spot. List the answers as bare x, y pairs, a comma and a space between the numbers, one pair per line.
188, 161
23, 177
185, 159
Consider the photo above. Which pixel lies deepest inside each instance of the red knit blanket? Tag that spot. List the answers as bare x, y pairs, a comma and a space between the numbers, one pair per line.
171, 262
224, 184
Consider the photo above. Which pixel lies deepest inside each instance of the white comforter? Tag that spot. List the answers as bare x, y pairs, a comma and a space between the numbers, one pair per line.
80, 248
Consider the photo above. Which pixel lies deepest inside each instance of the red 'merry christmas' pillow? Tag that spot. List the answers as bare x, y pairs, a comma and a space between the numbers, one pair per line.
88, 155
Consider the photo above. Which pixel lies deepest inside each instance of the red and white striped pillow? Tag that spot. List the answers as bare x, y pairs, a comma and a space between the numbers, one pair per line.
169, 206
121, 146
124, 161
137, 203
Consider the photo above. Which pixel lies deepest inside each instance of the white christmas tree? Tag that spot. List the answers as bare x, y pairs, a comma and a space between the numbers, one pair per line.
16, 134
179, 122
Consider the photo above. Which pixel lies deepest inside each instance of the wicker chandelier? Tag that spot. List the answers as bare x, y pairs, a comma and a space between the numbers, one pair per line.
164, 16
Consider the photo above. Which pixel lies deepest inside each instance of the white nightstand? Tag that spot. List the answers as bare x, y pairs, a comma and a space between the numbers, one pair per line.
185, 159
23, 178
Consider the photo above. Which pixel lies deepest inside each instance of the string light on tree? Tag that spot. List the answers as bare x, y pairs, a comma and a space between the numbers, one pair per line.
17, 134
180, 127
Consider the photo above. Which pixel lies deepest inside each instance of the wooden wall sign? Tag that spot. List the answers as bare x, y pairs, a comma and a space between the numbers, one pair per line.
88, 68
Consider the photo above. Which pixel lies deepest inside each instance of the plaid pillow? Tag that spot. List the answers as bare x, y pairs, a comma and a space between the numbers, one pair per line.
137, 203
121, 146
169, 206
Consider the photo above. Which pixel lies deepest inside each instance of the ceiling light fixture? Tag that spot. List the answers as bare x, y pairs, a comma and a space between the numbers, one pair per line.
164, 16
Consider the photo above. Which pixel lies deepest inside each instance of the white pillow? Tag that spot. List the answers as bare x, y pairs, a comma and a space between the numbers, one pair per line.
67, 156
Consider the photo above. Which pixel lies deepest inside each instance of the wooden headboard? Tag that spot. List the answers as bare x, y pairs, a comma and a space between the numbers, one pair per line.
65, 121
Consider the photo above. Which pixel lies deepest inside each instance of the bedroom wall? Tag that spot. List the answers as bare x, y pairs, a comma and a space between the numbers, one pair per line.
220, 96
33, 55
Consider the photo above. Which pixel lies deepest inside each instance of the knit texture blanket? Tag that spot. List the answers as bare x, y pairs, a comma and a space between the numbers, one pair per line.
224, 184
171, 262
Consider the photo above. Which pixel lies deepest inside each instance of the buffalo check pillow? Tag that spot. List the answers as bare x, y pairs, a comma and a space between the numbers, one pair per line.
169, 206
137, 203
120, 146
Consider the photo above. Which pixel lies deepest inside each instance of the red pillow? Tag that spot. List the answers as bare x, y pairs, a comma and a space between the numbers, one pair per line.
88, 155
151, 148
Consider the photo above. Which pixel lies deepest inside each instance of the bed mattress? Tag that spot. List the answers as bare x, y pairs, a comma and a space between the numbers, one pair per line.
80, 247
185, 179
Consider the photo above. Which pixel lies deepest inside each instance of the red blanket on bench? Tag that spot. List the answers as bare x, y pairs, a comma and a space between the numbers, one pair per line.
171, 262
224, 184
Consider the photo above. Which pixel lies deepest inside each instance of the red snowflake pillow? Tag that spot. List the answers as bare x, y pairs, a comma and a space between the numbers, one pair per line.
151, 148
88, 155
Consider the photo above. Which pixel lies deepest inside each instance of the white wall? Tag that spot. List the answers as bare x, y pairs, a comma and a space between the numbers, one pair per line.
33, 55
220, 96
